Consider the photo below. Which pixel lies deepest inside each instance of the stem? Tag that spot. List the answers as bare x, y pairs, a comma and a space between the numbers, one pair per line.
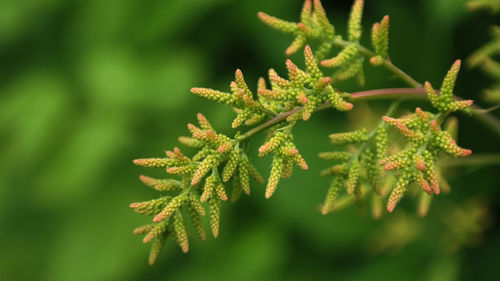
269, 123
387, 63
380, 94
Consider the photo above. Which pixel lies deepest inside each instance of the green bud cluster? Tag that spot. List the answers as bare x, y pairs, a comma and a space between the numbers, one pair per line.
313, 25
357, 172
360, 172
249, 110
200, 180
285, 155
416, 162
349, 61
444, 102
380, 40
486, 58
304, 89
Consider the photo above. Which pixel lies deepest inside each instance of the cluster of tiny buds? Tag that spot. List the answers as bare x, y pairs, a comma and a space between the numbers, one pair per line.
363, 171
167, 211
285, 155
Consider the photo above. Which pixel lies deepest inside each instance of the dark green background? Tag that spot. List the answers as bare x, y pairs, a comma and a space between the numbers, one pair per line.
87, 86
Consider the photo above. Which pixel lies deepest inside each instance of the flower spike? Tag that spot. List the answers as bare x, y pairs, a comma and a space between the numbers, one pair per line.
445, 102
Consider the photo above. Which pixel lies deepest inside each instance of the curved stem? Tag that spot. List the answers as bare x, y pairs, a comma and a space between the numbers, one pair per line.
387, 63
380, 94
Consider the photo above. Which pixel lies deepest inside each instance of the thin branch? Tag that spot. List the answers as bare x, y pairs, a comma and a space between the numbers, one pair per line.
387, 63
380, 94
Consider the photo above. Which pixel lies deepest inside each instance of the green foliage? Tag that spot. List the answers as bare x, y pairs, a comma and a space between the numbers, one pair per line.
365, 170
493, 5
214, 151
484, 57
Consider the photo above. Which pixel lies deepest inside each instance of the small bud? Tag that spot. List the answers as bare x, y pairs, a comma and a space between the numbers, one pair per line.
331, 195
231, 165
214, 95
180, 232
352, 177
421, 114
338, 103
183, 170
311, 63
413, 135
423, 183
449, 145
349, 137
396, 194
261, 83
157, 230
143, 229
302, 98
156, 247
195, 204
281, 25
346, 55
191, 142
321, 83
160, 184
335, 155
298, 43
240, 118
153, 162
277, 80
192, 128
204, 124
449, 82
306, 30
354, 23
209, 186
376, 60
293, 72
274, 177
287, 168
299, 161
305, 15
419, 163
214, 207
172, 206
225, 147
271, 144
219, 189
431, 94
244, 175
380, 37
208, 163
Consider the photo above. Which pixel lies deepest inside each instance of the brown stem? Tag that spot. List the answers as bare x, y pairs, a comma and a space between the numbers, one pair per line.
381, 94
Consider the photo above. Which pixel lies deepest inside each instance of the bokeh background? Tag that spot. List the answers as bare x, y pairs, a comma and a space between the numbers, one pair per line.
87, 86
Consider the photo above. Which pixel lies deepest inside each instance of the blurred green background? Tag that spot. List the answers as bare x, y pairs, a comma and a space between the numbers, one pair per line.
87, 86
